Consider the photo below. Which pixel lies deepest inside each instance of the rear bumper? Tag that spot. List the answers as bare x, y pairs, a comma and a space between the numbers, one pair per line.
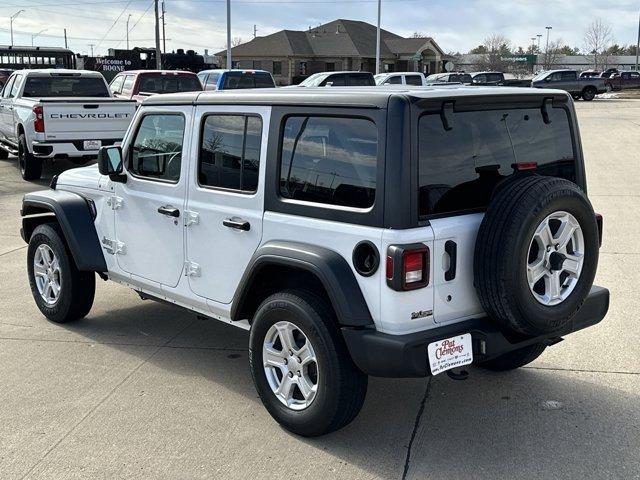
66, 149
384, 355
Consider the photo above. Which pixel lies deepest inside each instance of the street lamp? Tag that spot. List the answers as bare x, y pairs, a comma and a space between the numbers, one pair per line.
539, 37
533, 45
34, 36
378, 38
128, 18
11, 19
546, 50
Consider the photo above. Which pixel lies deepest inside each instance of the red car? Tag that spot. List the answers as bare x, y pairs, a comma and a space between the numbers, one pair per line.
139, 84
623, 80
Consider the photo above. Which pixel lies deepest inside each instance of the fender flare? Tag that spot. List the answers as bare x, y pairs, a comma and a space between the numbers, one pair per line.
72, 213
328, 266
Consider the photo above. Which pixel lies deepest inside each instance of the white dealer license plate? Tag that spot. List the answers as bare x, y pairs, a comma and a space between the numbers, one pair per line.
450, 353
92, 144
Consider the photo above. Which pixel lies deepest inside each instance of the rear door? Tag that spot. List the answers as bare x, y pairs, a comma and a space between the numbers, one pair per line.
458, 171
226, 197
6, 110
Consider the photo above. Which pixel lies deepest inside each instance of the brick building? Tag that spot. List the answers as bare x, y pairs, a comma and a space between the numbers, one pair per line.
292, 55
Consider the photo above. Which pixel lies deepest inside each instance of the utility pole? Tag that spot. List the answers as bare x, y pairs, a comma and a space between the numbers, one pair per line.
229, 35
158, 54
164, 34
65, 39
255, 31
128, 18
11, 19
546, 50
638, 44
378, 38
91, 45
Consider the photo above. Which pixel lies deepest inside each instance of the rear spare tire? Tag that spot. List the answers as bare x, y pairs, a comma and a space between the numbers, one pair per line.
536, 254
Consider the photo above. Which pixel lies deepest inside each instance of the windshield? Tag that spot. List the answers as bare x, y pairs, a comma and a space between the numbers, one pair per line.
65, 87
313, 81
459, 168
158, 83
240, 80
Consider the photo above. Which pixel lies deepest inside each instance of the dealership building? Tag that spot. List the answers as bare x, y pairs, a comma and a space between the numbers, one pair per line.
292, 55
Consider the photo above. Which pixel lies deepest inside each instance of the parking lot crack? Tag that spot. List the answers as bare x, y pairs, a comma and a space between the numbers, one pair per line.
416, 424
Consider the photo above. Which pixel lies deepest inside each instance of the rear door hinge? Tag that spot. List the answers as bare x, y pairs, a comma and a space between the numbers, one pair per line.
115, 202
113, 247
191, 218
191, 269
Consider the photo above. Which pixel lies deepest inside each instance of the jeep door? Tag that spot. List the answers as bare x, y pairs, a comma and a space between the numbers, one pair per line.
226, 196
149, 220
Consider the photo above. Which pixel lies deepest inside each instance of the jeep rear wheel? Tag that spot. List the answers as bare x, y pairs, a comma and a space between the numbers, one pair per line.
536, 254
30, 166
301, 367
62, 293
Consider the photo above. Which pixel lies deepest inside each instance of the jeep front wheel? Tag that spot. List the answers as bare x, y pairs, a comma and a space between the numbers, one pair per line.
301, 367
62, 293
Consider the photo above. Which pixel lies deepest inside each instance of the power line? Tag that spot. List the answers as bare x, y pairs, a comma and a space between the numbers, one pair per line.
114, 22
245, 2
137, 21
22, 32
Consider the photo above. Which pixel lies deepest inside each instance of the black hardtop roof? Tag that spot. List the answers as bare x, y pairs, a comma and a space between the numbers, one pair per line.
364, 97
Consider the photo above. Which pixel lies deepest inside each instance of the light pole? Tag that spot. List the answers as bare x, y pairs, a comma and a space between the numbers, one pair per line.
128, 18
533, 45
539, 37
34, 36
378, 38
638, 44
11, 19
546, 50
229, 35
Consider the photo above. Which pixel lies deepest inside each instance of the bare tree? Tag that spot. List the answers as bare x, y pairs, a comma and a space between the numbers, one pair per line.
418, 35
235, 41
598, 37
494, 49
554, 51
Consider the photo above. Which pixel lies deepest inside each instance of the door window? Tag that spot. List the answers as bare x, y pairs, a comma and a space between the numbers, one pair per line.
127, 86
395, 80
329, 160
230, 152
156, 152
413, 80
116, 85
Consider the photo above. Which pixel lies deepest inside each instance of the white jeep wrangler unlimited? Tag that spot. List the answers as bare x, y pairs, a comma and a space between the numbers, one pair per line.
397, 233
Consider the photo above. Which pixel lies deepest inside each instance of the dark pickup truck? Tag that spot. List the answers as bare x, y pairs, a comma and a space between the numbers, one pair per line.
623, 80
497, 78
570, 81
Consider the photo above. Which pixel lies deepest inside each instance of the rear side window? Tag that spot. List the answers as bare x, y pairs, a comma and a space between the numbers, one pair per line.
413, 79
329, 160
395, 80
17, 80
494, 77
65, 87
116, 84
337, 80
158, 83
212, 81
230, 152
459, 169
156, 152
127, 86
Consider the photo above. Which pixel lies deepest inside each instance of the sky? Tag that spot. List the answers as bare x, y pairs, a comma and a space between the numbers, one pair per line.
456, 25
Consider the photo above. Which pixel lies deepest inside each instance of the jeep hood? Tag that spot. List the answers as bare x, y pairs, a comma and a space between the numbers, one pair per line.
85, 177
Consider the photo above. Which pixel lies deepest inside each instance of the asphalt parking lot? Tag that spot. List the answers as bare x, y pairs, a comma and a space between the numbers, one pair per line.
143, 390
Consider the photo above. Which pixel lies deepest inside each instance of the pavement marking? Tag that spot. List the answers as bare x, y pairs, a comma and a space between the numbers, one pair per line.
416, 424
101, 402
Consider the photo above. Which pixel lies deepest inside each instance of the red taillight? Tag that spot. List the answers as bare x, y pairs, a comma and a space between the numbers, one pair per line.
389, 267
407, 266
413, 267
38, 123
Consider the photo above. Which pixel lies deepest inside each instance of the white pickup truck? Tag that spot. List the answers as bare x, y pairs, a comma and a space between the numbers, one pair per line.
54, 114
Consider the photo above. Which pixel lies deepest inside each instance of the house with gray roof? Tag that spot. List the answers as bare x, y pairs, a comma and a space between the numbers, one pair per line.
293, 55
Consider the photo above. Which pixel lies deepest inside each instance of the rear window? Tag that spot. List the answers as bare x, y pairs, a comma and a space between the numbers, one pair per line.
329, 160
247, 80
459, 169
65, 87
169, 83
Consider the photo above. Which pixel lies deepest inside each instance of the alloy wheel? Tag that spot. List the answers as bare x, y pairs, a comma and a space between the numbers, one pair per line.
46, 271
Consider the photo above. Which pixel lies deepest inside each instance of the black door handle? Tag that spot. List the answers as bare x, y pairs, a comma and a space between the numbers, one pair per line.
237, 224
169, 211
451, 248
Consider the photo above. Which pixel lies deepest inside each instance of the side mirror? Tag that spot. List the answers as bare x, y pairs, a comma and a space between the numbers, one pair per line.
110, 162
